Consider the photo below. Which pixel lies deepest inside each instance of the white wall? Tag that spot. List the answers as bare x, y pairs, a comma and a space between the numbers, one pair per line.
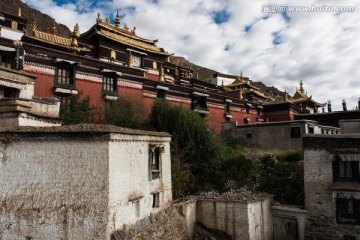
241, 220
128, 178
53, 189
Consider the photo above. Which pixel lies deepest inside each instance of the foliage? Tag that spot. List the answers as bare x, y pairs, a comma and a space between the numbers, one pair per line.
193, 144
124, 112
77, 110
283, 177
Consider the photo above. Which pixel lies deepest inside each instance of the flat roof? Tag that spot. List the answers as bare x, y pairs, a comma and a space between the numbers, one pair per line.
84, 128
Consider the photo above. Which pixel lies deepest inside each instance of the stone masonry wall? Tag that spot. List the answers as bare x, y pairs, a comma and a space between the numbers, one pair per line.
169, 224
53, 188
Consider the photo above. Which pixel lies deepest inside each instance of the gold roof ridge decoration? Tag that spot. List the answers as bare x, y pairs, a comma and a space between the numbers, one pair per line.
54, 39
301, 96
123, 35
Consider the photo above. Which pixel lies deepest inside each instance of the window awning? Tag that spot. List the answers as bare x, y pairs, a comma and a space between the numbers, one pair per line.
7, 49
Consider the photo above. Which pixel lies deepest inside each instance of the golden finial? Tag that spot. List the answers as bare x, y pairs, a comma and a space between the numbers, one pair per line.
76, 31
53, 30
33, 27
241, 77
107, 20
301, 87
98, 19
126, 27
19, 12
133, 31
286, 95
117, 19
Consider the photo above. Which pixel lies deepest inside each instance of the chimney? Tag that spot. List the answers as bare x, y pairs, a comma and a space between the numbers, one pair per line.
344, 105
329, 106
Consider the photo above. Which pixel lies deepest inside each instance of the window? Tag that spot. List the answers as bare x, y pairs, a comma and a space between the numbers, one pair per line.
6, 60
6, 92
348, 211
227, 108
136, 208
109, 84
156, 200
64, 76
161, 93
64, 101
199, 103
346, 171
295, 132
155, 161
248, 135
311, 130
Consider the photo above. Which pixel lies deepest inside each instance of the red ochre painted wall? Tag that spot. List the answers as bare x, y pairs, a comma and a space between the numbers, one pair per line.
44, 85
92, 89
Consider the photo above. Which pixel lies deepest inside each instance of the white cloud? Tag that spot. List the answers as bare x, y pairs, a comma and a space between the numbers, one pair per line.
319, 48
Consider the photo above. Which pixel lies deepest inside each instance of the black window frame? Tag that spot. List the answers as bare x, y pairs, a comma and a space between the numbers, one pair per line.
10, 59
161, 93
199, 102
155, 200
227, 108
155, 161
110, 84
63, 83
346, 171
348, 211
295, 131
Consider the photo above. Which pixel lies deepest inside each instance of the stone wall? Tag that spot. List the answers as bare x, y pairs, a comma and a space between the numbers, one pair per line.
238, 219
168, 224
129, 179
271, 135
350, 126
53, 189
322, 189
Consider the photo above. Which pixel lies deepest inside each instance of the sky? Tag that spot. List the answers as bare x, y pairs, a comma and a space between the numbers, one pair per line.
276, 42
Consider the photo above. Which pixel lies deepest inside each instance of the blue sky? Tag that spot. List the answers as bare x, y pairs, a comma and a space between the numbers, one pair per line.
262, 39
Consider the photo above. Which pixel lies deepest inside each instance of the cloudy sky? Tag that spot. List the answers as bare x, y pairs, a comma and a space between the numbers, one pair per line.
316, 41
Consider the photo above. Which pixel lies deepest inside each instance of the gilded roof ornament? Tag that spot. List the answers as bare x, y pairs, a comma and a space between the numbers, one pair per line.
107, 20
117, 19
76, 31
53, 30
133, 31
24, 30
19, 12
161, 74
98, 19
126, 27
301, 87
33, 27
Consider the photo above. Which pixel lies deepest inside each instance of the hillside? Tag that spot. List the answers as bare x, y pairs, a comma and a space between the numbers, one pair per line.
45, 23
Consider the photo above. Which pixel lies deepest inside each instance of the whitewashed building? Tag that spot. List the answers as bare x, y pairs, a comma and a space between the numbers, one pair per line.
80, 181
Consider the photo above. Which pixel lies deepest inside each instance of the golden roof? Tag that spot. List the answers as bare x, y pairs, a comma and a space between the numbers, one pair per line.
53, 39
260, 94
122, 35
240, 82
301, 96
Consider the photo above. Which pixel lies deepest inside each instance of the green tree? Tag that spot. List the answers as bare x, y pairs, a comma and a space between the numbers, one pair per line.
128, 113
194, 145
77, 110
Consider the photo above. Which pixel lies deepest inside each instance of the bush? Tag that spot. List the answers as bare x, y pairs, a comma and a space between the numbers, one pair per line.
193, 143
77, 110
126, 113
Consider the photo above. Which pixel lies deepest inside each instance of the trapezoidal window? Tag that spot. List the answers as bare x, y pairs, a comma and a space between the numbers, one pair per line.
155, 155
109, 84
348, 211
65, 75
